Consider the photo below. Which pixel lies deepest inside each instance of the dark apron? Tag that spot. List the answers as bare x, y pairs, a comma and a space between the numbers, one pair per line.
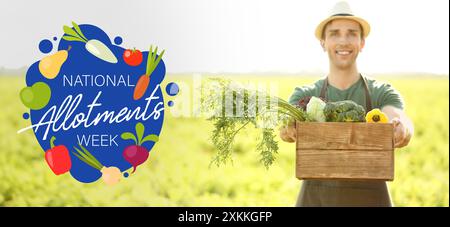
331, 193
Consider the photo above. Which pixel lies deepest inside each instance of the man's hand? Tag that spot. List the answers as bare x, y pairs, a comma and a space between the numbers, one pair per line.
288, 133
403, 127
401, 134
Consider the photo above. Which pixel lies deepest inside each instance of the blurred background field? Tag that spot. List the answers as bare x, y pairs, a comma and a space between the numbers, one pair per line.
178, 173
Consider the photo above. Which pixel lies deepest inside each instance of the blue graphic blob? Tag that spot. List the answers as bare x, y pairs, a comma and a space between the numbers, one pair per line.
118, 40
172, 89
113, 84
45, 46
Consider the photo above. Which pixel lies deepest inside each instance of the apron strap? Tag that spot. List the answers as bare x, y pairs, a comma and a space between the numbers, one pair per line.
323, 92
368, 99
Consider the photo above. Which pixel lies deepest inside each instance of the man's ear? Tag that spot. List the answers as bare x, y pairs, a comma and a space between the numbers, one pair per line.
363, 43
322, 44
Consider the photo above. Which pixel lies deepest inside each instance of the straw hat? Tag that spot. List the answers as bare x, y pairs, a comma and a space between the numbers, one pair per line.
342, 11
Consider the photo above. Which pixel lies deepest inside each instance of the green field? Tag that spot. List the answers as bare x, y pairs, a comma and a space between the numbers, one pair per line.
178, 174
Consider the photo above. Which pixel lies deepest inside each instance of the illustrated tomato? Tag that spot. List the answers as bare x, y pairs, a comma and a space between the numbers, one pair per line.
132, 57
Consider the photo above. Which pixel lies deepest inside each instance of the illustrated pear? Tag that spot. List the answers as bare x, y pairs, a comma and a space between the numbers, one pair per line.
49, 66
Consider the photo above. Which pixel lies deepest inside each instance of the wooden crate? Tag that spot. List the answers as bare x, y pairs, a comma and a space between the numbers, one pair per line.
350, 151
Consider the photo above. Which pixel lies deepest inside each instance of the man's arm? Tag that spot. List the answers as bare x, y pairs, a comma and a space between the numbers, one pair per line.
403, 126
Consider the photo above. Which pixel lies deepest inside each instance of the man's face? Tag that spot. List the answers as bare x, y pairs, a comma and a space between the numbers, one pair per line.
342, 40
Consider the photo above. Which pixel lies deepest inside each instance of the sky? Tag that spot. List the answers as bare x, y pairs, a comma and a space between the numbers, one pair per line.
237, 36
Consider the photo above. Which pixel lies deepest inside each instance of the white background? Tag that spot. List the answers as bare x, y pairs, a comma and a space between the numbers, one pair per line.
237, 35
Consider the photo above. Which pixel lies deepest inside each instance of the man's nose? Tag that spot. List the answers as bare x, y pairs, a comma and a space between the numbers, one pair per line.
343, 40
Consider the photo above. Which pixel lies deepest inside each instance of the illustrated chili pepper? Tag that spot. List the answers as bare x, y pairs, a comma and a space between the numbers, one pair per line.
58, 158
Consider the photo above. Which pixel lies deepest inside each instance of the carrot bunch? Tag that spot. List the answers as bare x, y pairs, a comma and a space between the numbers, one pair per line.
144, 80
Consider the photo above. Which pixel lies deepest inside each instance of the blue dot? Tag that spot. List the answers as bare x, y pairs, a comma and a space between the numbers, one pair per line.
118, 40
172, 89
54, 38
170, 103
45, 46
26, 116
126, 174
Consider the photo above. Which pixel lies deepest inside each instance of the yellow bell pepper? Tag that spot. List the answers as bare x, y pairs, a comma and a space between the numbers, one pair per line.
376, 116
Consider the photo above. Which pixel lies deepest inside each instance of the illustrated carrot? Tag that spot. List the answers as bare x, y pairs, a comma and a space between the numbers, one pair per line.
144, 80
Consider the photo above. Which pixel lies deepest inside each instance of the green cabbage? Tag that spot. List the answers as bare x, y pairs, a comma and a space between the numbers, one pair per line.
315, 109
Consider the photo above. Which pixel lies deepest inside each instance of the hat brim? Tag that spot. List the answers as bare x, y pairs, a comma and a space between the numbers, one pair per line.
364, 25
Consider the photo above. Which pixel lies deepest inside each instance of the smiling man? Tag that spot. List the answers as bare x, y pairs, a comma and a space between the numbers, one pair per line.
342, 36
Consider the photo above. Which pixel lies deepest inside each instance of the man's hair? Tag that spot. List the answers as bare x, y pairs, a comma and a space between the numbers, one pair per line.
325, 28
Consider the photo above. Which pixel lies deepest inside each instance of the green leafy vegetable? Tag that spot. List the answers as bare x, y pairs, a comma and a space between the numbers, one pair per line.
314, 109
244, 107
344, 111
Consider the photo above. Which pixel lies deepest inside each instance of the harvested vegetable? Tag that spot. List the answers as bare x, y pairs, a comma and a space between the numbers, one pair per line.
277, 112
58, 158
376, 116
303, 102
110, 175
95, 47
344, 111
137, 154
144, 80
314, 109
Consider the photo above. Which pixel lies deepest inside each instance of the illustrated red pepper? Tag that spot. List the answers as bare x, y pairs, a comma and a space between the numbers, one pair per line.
58, 158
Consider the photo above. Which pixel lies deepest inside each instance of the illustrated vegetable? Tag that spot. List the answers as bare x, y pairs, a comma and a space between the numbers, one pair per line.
132, 57
144, 80
344, 111
95, 47
58, 158
315, 108
137, 154
37, 96
376, 116
110, 175
50, 65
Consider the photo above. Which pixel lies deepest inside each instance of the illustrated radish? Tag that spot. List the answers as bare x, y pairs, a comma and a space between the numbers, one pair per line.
95, 47
137, 154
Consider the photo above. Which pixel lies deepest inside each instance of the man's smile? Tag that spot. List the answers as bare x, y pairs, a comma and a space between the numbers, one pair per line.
343, 52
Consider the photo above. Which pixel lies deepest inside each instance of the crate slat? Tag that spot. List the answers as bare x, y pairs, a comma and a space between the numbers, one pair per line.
337, 135
351, 151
